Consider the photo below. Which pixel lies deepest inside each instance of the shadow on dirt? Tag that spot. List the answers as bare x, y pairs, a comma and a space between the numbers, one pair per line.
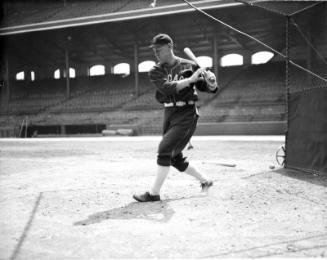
159, 211
303, 176
153, 211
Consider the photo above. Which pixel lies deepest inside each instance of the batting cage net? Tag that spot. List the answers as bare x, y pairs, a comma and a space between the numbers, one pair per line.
304, 55
306, 138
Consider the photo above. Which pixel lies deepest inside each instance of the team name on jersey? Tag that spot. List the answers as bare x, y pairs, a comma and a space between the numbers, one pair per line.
170, 77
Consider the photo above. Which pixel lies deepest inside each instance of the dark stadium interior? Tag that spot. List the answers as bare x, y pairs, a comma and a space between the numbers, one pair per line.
115, 41
42, 36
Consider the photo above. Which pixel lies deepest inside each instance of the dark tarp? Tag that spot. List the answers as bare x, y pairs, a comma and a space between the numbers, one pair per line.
306, 140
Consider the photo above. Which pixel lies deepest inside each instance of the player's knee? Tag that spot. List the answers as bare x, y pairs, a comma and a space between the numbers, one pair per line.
163, 160
180, 163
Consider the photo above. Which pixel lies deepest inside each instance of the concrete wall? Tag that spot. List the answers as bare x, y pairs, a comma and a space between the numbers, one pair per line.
242, 128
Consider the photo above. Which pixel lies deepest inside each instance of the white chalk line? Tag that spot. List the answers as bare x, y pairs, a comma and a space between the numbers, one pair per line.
252, 138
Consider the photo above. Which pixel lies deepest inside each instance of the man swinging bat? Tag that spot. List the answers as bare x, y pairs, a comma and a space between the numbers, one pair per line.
176, 81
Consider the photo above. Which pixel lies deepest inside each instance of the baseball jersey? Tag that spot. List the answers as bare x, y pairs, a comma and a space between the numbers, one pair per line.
165, 77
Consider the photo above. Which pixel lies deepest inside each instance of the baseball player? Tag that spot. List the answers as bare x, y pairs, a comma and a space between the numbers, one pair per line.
176, 81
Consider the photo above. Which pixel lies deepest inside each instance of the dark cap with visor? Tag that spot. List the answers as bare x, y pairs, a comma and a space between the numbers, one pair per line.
161, 39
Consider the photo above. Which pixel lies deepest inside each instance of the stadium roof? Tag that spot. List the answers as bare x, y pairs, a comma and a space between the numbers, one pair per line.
30, 16
38, 32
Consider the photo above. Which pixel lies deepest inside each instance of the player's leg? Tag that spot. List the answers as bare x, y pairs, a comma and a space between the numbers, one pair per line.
165, 148
181, 163
162, 172
205, 181
175, 138
154, 193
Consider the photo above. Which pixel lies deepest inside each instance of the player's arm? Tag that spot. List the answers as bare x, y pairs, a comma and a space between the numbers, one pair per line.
169, 88
184, 83
163, 85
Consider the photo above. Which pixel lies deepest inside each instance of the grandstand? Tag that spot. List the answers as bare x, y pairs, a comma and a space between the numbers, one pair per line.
252, 95
42, 36
255, 94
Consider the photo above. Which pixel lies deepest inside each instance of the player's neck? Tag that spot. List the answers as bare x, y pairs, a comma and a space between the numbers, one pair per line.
172, 60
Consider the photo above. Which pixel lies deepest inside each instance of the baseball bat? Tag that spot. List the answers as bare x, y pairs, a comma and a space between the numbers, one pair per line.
191, 55
220, 163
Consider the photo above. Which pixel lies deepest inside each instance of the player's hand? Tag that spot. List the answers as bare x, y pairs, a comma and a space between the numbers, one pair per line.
210, 79
195, 76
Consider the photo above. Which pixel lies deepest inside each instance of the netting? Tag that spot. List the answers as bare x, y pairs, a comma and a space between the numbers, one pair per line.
285, 8
306, 146
305, 78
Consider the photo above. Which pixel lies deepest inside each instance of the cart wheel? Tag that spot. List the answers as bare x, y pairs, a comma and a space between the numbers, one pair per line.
280, 155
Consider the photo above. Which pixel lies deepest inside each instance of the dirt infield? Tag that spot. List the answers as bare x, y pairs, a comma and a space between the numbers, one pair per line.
72, 199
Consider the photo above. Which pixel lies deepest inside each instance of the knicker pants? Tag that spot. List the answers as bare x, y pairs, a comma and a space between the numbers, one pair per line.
179, 126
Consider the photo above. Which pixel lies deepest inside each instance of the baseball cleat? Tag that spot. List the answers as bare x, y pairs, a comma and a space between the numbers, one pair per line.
206, 185
146, 197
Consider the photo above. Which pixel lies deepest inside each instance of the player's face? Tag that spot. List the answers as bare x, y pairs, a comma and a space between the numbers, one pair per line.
162, 52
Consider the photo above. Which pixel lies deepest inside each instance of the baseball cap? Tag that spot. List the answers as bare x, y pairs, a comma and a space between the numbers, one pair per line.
161, 39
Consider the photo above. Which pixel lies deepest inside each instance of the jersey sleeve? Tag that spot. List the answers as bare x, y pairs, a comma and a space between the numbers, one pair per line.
159, 79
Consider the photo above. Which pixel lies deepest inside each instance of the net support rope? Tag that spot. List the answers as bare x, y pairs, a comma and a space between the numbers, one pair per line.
305, 8
254, 39
253, 4
274, 11
308, 41
259, 6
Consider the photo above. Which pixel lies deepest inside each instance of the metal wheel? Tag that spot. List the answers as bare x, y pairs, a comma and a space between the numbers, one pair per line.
280, 155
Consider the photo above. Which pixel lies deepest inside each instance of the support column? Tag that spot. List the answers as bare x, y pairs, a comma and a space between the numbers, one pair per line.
6, 92
287, 83
136, 71
247, 58
287, 52
67, 67
28, 74
215, 57
81, 70
62, 129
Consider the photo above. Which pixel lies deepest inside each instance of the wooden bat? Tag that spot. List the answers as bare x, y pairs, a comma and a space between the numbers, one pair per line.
221, 163
209, 77
191, 56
